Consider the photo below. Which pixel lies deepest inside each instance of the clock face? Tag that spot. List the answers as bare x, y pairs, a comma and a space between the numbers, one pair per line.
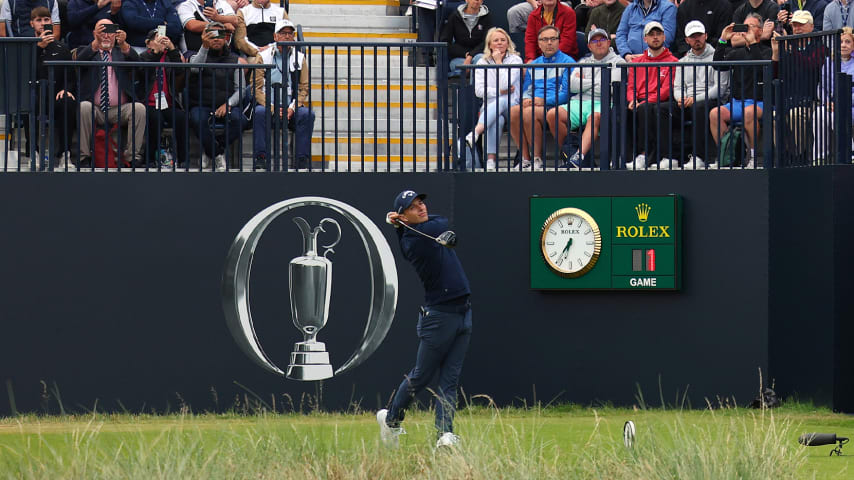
571, 242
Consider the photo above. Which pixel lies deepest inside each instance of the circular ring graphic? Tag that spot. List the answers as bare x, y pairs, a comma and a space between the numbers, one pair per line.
235, 281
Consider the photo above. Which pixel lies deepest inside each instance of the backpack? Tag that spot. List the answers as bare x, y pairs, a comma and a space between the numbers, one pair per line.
732, 147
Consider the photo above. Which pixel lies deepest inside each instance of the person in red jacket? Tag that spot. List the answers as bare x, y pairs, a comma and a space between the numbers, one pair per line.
648, 90
550, 12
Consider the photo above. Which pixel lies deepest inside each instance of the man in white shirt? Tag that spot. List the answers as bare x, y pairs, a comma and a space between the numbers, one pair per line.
196, 14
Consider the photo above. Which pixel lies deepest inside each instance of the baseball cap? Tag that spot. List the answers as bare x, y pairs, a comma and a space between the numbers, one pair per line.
694, 26
405, 198
282, 23
597, 31
214, 25
649, 26
801, 16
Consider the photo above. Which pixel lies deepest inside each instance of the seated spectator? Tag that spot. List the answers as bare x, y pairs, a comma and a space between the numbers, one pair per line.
695, 90
215, 100
766, 9
499, 89
255, 24
161, 101
584, 108
542, 88
713, 14
582, 12
111, 89
143, 16
630, 34
83, 14
298, 116
64, 102
647, 91
838, 14
823, 122
17, 13
196, 14
556, 15
464, 33
745, 105
814, 7
607, 17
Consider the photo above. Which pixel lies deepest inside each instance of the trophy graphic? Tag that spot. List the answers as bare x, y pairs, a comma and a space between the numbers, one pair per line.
310, 278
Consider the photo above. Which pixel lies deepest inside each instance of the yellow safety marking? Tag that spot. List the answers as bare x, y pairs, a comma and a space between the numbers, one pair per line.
357, 51
356, 159
370, 88
359, 35
391, 3
370, 141
419, 105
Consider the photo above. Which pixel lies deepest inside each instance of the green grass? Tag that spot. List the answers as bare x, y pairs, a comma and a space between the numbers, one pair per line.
557, 442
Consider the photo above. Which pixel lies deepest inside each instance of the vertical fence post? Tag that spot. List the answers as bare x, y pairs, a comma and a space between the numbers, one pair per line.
768, 117
606, 147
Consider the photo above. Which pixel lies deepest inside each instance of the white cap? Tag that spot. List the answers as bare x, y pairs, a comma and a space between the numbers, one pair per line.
801, 16
649, 26
282, 23
694, 26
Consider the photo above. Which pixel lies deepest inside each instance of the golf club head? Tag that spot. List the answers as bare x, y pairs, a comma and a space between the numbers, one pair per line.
447, 239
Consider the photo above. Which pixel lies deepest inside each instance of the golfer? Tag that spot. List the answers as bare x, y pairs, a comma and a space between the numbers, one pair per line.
444, 323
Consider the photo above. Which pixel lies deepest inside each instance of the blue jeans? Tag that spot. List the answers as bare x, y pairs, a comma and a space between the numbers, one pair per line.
444, 340
492, 117
303, 126
213, 144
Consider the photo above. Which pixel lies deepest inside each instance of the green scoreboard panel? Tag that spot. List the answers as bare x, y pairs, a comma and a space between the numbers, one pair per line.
606, 243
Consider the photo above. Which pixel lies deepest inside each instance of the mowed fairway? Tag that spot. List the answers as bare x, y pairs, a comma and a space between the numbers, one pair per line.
558, 442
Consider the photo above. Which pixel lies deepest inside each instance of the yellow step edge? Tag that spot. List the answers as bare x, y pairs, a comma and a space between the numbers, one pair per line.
370, 88
391, 3
357, 51
419, 105
359, 35
357, 160
379, 141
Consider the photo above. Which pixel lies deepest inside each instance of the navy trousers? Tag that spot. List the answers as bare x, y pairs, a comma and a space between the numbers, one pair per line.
444, 339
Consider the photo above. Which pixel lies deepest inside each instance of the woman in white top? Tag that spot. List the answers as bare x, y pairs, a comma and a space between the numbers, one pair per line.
498, 87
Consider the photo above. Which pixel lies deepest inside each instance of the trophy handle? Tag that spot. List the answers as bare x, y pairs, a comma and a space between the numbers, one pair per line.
305, 229
338, 239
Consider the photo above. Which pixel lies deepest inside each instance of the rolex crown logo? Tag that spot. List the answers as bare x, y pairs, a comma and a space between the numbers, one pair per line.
643, 212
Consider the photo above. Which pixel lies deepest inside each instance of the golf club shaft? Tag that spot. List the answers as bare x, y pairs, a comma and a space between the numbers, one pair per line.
417, 231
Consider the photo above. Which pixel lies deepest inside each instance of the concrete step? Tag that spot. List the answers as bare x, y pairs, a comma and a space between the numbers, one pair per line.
419, 145
302, 11
385, 125
367, 37
356, 24
369, 93
405, 76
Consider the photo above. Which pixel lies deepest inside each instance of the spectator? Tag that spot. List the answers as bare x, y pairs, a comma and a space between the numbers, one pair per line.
426, 20
64, 102
116, 103
465, 32
212, 101
517, 15
584, 108
499, 89
17, 13
255, 24
814, 7
547, 88
142, 16
582, 12
557, 15
607, 17
745, 105
713, 14
196, 14
696, 90
766, 9
299, 116
160, 94
83, 14
838, 14
630, 34
823, 121
234, 4
647, 91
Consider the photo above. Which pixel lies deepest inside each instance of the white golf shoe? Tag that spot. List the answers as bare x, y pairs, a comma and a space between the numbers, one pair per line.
388, 435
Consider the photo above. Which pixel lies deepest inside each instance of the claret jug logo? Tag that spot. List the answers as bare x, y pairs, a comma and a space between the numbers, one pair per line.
643, 231
310, 286
643, 212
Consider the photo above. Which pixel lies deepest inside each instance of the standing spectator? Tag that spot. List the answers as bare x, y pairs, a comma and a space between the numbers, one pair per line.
556, 15
582, 12
426, 21
196, 14
584, 108
838, 14
547, 88
465, 32
647, 91
298, 112
607, 17
83, 14
108, 89
630, 34
696, 90
17, 13
212, 103
814, 7
825, 91
160, 97
255, 24
517, 15
745, 105
766, 9
142, 16
499, 89
713, 14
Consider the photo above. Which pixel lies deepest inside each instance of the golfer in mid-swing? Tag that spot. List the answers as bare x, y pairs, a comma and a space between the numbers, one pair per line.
444, 323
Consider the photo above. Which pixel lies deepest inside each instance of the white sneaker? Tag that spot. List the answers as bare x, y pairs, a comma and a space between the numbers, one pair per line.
447, 439
206, 162
490, 164
526, 165
667, 164
220, 162
538, 163
694, 163
471, 139
638, 164
388, 435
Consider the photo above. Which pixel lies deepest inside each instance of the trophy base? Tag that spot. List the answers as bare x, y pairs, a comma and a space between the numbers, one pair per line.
309, 362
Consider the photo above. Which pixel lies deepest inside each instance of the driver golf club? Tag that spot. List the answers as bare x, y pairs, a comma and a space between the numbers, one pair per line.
446, 239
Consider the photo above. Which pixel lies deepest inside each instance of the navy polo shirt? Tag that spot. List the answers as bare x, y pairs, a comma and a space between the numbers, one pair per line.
438, 267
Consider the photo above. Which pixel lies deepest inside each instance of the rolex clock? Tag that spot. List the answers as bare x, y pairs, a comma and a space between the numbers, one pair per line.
570, 242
